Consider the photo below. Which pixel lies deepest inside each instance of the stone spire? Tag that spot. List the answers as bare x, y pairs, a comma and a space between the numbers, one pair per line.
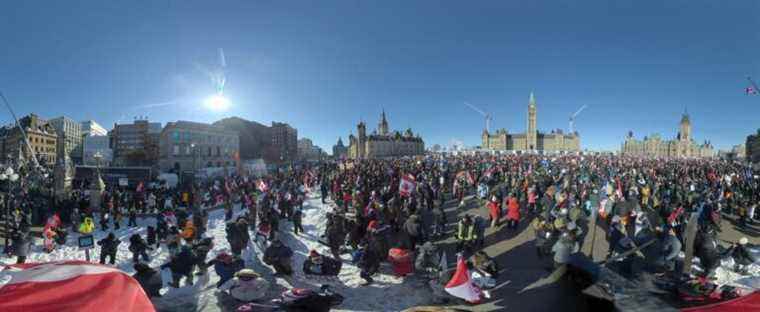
531, 131
382, 128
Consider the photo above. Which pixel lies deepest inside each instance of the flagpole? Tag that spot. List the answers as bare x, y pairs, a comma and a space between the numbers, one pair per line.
754, 85
23, 133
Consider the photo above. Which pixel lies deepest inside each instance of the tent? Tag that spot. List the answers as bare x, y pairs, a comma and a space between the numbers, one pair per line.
69, 286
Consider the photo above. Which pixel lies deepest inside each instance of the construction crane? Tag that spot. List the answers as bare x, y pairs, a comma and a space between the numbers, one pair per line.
484, 114
572, 118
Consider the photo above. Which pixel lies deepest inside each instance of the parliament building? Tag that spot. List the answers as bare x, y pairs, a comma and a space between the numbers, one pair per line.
532, 139
654, 146
382, 143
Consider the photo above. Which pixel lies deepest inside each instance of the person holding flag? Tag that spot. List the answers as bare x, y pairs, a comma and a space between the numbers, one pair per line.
407, 185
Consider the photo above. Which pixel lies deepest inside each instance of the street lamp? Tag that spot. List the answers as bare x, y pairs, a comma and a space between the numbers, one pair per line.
192, 146
97, 157
10, 176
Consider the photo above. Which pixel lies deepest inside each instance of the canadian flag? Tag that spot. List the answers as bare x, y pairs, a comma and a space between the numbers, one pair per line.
407, 185
461, 285
262, 186
70, 286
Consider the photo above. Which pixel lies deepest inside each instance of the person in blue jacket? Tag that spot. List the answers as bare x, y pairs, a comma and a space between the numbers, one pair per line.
225, 266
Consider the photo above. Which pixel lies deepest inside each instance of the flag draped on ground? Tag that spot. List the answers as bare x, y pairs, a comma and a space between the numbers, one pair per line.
461, 285
70, 286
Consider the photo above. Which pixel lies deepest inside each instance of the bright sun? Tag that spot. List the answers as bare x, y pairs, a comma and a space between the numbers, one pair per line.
217, 103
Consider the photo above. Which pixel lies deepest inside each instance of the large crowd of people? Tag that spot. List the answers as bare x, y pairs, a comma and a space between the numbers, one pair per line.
372, 210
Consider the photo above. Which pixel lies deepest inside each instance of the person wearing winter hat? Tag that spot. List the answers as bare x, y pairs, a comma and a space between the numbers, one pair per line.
742, 257
246, 286
317, 264
225, 265
615, 234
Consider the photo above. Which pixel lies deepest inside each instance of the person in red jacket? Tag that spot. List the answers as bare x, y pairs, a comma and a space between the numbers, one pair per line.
513, 212
532, 196
347, 198
494, 211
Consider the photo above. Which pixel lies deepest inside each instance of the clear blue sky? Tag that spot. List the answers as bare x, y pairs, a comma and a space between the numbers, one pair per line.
323, 65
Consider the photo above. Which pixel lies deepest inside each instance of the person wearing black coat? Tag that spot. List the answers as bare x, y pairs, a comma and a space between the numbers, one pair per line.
439, 222
317, 264
336, 234
149, 279
706, 249
279, 256
413, 230
21, 242
181, 266
108, 248
297, 217
138, 247
104, 221
132, 217
542, 234
323, 190
369, 262
616, 233
199, 221
237, 236
152, 236
201, 250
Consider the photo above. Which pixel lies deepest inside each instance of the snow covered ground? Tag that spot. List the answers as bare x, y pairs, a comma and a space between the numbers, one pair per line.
388, 293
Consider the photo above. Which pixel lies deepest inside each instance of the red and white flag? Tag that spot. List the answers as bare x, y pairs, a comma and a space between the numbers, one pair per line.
262, 186
461, 285
70, 286
52, 222
407, 185
140, 187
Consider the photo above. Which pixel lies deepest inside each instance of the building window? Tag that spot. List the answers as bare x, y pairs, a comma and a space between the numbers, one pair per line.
218, 151
175, 150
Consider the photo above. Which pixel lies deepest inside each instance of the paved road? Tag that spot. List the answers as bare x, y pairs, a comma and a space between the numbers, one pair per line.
516, 255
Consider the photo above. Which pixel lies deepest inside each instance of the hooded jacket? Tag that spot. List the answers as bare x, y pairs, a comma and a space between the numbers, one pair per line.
246, 290
276, 253
109, 245
150, 281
